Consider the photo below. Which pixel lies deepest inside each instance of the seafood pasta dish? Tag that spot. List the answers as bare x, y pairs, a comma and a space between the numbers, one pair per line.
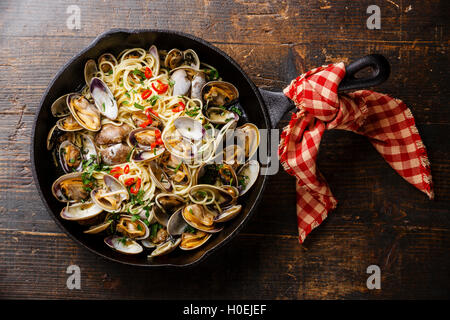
154, 153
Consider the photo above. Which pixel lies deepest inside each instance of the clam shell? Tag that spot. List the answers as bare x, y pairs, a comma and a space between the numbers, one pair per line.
90, 71
228, 213
165, 247
62, 159
140, 223
182, 84
104, 99
130, 247
69, 124
59, 107
153, 51
80, 211
212, 229
189, 128
98, 228
184, 239
218, 98
81, 193
82, 110
248, 173
176, 224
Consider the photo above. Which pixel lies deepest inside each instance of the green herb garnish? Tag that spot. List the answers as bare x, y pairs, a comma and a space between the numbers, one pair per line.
138, 106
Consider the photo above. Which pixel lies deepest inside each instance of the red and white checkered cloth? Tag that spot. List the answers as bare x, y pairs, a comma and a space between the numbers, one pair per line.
386, 122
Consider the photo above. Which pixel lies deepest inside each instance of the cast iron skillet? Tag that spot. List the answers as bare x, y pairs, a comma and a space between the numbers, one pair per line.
254, 101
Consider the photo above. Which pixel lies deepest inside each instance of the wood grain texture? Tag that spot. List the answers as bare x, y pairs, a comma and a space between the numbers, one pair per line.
380, 218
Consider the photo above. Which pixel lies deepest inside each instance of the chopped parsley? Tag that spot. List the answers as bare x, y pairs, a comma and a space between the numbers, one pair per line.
139, 73
154, 229
138, 106
235, 109
153, 99
193, 113
189, 229
129, 155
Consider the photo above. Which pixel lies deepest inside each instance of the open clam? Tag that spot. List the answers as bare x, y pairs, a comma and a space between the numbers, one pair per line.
169, 202
248, 137
111, 197
84, 112
166, 247
70, 157
123, 245
145, 138
176, 170
132, 228
228, 213
220, 115
216, 174
104, 99
80, 211
176, 58
88, 149
68, 124
200, 217
219, 93
190, 238
70, 187
193, 239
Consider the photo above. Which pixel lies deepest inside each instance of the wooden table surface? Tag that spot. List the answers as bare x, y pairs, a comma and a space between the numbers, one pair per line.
380, 219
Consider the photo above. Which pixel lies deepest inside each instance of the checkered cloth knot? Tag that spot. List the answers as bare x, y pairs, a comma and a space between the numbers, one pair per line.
386, 122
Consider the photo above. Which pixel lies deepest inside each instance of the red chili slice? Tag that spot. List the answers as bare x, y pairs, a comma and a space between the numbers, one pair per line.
126, 170
161, 88
148, 73
135, 189
129, 182
146, 93
116, 169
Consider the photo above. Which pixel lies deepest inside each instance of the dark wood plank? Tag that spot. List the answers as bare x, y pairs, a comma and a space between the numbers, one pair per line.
380, 218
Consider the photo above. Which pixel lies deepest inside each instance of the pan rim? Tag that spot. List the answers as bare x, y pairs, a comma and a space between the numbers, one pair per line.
91, 45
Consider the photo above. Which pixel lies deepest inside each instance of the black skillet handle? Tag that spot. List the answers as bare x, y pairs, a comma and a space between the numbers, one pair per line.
278, 104
381, 70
